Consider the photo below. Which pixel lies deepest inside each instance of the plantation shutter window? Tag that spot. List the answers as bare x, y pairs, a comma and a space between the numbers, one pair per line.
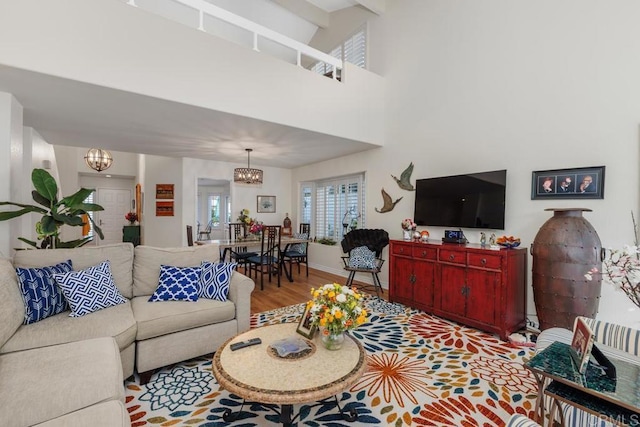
337, 205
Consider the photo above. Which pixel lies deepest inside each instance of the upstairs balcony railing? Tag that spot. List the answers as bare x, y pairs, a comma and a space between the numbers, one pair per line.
203, 8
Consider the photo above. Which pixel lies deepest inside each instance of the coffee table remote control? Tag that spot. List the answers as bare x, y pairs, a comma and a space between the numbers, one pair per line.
242, 344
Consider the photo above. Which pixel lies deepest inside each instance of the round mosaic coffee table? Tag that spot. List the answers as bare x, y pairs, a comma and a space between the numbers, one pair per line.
258, 374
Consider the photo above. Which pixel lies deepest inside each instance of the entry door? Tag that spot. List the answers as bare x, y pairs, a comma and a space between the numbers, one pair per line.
116, 204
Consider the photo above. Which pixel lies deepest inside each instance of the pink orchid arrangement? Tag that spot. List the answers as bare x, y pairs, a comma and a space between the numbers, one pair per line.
621, 268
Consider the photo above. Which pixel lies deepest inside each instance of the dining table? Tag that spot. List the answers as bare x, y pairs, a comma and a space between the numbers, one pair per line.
225, 246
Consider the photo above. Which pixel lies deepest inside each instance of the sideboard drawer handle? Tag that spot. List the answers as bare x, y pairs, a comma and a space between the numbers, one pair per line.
424, 253
483, 261
452, 257
401, 249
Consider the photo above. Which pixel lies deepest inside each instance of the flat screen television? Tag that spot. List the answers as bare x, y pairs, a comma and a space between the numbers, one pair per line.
475, 200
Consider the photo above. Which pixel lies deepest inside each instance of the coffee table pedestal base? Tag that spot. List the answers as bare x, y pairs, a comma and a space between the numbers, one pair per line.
285, 412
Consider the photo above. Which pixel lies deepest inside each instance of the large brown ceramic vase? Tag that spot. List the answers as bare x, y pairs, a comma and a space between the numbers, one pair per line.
565, 248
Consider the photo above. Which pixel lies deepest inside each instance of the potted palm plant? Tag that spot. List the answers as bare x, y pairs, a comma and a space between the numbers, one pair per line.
70, 210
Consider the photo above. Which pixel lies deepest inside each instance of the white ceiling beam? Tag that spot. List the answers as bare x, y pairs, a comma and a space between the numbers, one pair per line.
306, 11
376, 6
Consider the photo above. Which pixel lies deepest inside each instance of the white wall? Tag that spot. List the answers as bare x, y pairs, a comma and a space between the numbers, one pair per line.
37, 153
163, 231
10, 164
475, 86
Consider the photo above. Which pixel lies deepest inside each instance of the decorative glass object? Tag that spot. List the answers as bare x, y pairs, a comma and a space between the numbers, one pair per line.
332, 341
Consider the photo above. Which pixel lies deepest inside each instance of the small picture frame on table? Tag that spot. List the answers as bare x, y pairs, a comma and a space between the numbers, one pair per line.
305, 328
576, 183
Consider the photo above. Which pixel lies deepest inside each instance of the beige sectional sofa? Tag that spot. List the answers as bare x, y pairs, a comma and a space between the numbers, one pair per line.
69, 370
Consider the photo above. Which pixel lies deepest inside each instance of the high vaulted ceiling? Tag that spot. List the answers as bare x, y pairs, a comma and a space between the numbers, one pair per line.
72, 113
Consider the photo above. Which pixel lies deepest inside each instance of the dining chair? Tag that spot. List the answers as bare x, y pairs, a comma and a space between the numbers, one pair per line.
297, 253
189, 235
206, 232
364, 248
268, 260
238, 253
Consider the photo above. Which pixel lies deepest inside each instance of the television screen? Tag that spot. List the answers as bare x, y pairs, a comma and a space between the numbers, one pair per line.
473, 200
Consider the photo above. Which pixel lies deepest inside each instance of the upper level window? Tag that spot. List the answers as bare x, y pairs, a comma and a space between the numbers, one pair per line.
333, 206
352, 50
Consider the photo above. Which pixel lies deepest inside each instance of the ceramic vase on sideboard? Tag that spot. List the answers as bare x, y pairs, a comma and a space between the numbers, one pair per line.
565, 248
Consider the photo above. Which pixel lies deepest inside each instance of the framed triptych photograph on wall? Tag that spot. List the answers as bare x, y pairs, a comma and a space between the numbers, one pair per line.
576, 183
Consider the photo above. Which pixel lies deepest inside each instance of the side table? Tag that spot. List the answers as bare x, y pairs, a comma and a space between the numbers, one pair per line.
617, 400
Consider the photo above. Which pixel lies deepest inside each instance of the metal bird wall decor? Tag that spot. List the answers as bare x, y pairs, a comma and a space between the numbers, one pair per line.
403, 182
388, 203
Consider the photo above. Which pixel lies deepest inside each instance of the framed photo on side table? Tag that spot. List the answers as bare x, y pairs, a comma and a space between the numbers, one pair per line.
266, 204
581, 345
305, 328
577, 183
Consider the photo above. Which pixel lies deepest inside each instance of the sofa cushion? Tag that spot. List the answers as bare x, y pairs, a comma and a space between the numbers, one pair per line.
177, 284
107, 414
216, 279
120, 255
89, 290
42, 296
362, 257
148, 259
161, 318
62, 379
300, 248
116, 322
11, 304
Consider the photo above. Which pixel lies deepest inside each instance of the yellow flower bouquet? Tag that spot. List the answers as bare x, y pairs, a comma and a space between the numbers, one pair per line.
336, 308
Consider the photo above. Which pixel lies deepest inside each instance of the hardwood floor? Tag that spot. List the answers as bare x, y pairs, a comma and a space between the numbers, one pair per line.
295, 292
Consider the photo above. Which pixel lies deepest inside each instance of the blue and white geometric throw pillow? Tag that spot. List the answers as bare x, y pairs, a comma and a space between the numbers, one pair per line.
215, 279
41, 295
362, 257
177, 284
89, 290
300, 248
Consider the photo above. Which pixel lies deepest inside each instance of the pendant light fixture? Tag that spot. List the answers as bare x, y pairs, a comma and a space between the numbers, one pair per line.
98, 159
247, 175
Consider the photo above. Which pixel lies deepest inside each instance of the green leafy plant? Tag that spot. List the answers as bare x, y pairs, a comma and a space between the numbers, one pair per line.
327, 241
55, 213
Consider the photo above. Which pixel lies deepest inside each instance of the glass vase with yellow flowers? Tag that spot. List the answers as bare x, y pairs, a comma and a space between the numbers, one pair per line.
335, 308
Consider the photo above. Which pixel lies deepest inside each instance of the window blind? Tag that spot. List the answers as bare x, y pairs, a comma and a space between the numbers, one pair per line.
337, 205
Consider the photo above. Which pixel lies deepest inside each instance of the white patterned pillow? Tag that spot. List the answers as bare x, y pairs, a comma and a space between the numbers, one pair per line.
362, 257
177, 284
300, 248
215, 279
89, 290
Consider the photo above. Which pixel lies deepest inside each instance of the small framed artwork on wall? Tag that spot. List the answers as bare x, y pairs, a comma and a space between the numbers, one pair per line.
164, 208
576, 183
164, 191
266, 204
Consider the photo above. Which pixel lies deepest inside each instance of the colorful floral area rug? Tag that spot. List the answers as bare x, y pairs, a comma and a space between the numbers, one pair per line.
422, 371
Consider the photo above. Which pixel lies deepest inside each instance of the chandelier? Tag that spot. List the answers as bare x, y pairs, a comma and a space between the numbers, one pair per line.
98, 159
247, 175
